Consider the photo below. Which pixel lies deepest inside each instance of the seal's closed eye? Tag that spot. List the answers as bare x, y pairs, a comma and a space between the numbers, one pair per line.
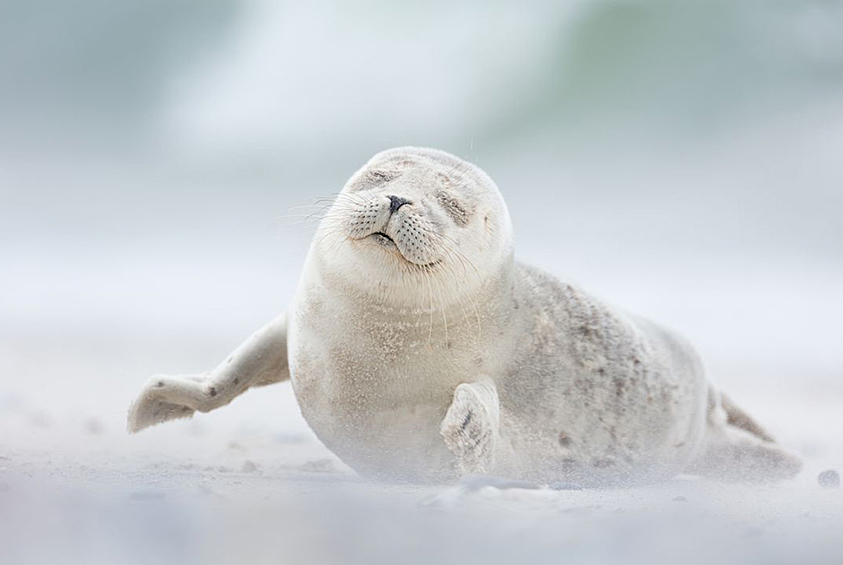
453, 207
378, 177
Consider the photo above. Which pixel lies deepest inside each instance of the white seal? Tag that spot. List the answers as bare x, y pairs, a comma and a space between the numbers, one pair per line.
420, 350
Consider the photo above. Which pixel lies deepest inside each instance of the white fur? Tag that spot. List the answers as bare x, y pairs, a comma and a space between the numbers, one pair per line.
428, 352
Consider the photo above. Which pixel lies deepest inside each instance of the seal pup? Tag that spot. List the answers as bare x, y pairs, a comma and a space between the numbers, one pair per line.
420, 350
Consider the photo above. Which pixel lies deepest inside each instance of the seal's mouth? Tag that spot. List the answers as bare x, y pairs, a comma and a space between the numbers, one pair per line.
389, 243
384, 239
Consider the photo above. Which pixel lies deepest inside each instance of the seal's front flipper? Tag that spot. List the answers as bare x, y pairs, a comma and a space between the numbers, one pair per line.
739, 449
165, 398
470, 427
260, 360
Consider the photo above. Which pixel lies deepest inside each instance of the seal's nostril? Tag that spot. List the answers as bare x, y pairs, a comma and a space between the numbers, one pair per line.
396, 202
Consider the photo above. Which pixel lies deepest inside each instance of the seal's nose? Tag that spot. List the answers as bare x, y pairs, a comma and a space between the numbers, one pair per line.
396, 202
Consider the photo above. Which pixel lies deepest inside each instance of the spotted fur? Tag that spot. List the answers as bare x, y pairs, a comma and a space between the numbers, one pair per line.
419, 349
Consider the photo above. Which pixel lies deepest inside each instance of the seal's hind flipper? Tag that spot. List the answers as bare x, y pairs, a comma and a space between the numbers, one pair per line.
740, 419
738, 449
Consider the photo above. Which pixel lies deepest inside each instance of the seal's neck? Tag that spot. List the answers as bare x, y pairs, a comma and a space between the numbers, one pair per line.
440, 299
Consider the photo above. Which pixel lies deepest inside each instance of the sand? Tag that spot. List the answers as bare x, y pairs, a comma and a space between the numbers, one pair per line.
250, 483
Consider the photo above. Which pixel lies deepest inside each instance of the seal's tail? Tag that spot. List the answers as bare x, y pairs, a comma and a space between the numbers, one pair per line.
737, 448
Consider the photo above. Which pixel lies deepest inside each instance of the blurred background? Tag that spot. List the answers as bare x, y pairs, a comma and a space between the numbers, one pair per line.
681, 159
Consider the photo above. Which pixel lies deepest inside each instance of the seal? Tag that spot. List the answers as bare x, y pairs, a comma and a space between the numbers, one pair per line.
420, 350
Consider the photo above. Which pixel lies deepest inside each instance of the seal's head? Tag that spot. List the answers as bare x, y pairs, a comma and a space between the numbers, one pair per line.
416, 226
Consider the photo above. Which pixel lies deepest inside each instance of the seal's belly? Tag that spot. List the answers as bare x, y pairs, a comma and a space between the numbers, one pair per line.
399, 443
380, 416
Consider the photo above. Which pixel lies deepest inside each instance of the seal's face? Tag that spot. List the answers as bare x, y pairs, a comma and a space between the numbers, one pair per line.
413, 223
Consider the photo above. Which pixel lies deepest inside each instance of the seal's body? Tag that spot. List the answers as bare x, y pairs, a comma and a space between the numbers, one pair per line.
420, 350
585, 394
